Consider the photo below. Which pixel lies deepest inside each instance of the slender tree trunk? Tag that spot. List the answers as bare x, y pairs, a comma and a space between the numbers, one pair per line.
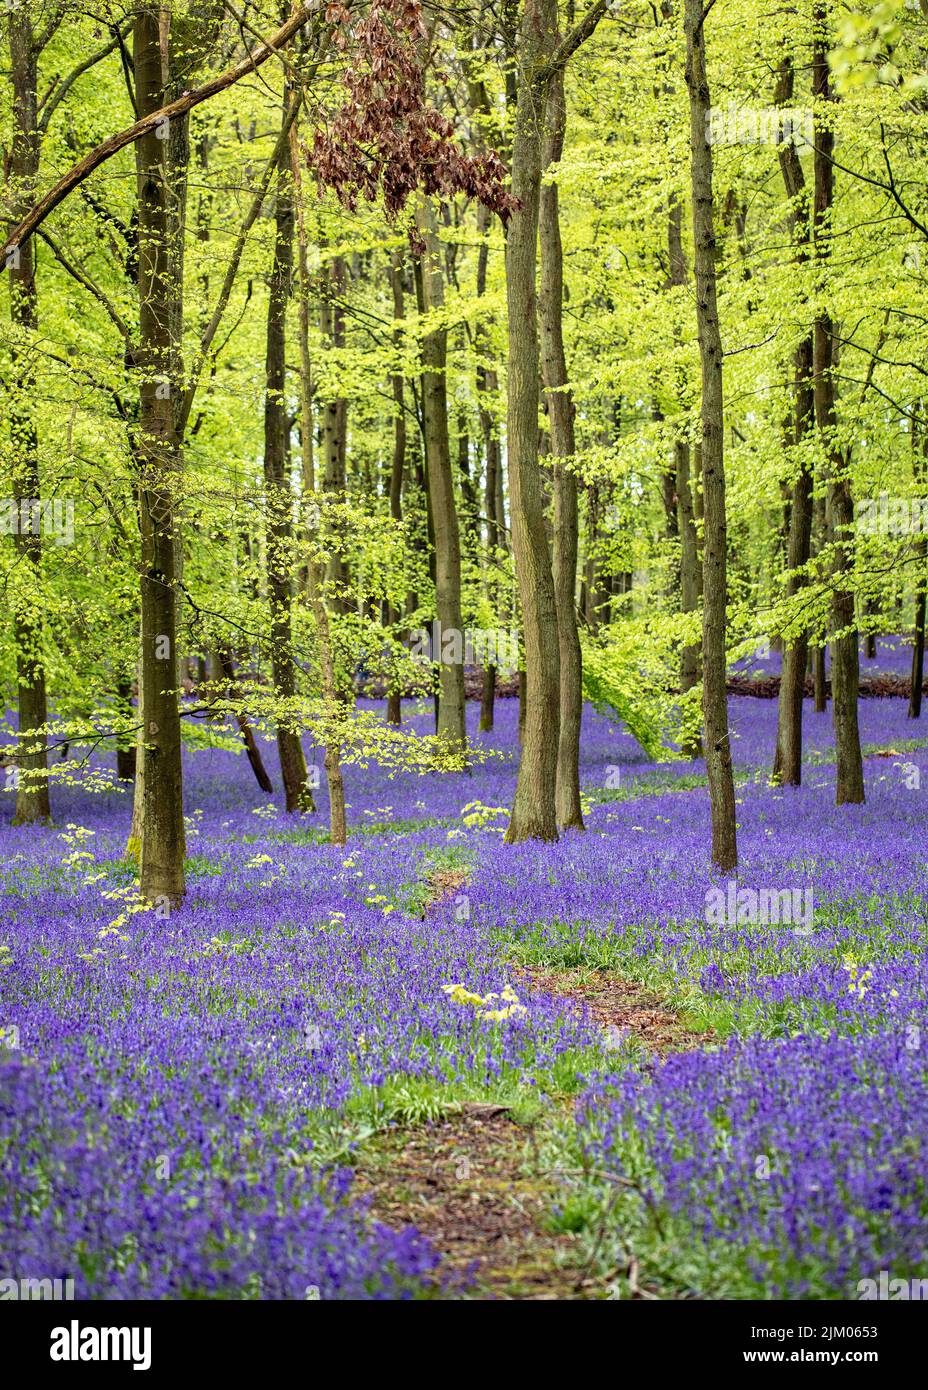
450, 724
398, 463
561, 411
159, 453
591, 586
338, 826
470, 524
819, 681
278, 496
334, 427
690, 561
487, 380
126, 752
674, 578
819, 678
32, 799
431, 557
227, 666
918, 647
920, 460
137, 825
125, 763
787, 763
534, 810
715, 705
845, 654
690, 582
487, 699
487, 385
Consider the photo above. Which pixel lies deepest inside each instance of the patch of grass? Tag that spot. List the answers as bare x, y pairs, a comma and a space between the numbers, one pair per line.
436, 864
319, 834
659, 782
817, 757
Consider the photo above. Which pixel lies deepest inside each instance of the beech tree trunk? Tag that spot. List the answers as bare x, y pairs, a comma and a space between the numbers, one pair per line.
334, 427
684, 488
487, 699
487, 385
534, 813
470, 523
278, 495
845, 653
32, 799
561, 411
819, 681
715, 705
398, 463
450, 723
137, 824
227, 666
787, 763
820, 532
338, 825
690, 566
126, 754
920, 462
160, 459
918, 646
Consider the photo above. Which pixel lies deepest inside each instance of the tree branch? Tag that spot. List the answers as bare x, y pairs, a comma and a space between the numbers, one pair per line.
578, 35
84, 279
84, 167
56, 98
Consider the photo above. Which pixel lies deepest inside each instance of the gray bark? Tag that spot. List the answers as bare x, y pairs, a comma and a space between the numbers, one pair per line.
715, 707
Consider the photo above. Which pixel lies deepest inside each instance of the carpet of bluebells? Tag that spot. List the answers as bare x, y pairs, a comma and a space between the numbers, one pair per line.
181, 1092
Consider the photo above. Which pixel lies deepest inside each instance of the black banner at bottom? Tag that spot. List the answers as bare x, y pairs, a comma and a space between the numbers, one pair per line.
159, 1341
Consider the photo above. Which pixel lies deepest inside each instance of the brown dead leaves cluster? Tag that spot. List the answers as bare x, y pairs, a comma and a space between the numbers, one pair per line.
386, 136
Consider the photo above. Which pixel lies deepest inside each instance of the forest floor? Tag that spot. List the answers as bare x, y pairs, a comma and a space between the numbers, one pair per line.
473, 1182
479, 1180
476, 1180
429, 1063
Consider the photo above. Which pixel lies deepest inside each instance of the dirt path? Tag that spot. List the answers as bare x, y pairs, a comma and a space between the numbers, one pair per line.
471, 1183
623, 1009
474, 1183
